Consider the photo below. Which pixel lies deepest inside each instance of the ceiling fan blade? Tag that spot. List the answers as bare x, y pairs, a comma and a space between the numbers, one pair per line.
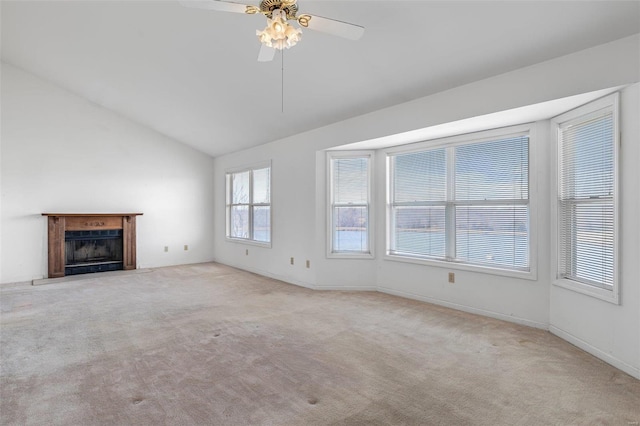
331, 26
223, 6
266, 53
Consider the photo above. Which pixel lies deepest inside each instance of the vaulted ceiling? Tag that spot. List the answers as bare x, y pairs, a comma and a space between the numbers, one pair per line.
192, 74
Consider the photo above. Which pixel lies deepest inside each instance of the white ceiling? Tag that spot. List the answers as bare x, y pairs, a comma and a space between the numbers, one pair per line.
192, 74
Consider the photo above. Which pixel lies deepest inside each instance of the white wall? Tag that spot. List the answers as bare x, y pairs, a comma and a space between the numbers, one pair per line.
299, 202
61, 153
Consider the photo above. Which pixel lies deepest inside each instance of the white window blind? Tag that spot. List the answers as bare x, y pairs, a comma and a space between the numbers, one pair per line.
249, 205
261, 205
586, 208
466, 203
492, 202
350, 204
419, 203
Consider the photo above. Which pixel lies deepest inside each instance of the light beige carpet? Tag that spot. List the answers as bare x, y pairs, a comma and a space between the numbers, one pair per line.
208, 344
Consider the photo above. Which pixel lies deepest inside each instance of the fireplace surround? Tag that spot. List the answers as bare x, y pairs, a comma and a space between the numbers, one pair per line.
80, 243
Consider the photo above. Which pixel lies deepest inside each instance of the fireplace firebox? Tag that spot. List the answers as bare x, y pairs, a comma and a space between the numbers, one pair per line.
82, 243
92, 251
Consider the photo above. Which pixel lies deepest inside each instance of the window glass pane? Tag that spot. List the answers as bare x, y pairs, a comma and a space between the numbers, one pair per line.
419, 231
496, 170
493, 235
350, 204
262, 223
420, 176
240, 188
350, 180
350, 226
587, 159
587, 232
262, 186
239, 221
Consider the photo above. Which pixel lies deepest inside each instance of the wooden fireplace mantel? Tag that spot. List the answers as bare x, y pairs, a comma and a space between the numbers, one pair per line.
59, 223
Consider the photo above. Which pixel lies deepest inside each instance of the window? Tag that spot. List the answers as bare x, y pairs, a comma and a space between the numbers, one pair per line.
249, 204
586, 199
350, 214
465, 202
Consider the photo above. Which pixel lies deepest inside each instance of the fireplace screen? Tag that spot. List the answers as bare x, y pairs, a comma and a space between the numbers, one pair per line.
93, 251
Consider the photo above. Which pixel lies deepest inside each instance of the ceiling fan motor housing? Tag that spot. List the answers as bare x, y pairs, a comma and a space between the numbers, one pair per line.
290, 8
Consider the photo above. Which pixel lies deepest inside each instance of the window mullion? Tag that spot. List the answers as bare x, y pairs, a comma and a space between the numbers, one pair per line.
251, 236
508, 202
391, 203
228, 187
350, 205
450, 210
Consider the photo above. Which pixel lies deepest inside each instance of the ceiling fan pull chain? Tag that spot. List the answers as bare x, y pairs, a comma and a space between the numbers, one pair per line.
282, 82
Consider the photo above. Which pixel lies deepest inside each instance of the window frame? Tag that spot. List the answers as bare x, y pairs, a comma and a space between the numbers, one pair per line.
330, 253
450, 142
579, 114
229, 204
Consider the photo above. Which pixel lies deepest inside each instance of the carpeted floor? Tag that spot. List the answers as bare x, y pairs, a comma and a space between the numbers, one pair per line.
208, 344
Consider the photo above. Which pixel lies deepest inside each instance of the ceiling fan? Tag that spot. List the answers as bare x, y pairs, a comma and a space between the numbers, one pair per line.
279, 34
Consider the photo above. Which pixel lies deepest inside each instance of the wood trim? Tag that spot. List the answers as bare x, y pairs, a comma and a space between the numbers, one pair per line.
129, 242
59, 223
56, 246
92, 214
88, 223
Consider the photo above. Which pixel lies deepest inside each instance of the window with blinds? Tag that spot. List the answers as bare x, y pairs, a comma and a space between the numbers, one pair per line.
419, 190
586, 198
350, 198
492, 202
249, 205
465, 203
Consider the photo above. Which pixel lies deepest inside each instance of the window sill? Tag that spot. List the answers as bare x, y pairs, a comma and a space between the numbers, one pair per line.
610, 296
352, 256
526, 275
248, 242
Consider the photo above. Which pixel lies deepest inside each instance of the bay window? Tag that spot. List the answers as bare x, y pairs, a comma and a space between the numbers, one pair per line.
464, 202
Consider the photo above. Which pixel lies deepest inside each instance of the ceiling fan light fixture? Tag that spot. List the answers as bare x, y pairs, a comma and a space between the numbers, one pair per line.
278, 33
293, 35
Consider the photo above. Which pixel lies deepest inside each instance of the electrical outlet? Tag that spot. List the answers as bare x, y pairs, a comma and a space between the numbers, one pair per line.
246, 252
166, 248
186, 247
308, 264
292, 260
452, 277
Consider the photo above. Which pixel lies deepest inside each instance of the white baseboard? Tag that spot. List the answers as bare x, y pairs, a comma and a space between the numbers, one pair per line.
621, 365
297, 282
269, 275
346, 288
465, 308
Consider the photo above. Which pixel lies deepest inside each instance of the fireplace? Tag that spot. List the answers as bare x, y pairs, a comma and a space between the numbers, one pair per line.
82, 243
92, 251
